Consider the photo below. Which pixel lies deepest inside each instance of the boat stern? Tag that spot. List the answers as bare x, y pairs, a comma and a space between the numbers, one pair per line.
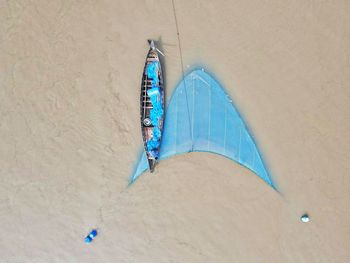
152, 164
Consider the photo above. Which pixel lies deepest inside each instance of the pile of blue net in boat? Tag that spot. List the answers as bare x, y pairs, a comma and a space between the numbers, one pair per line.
152, 72
156, 112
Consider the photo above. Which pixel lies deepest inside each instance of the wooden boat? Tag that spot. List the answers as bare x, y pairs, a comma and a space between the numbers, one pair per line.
152, 105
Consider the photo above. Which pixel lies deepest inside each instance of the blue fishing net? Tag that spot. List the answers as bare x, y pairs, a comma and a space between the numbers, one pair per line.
201, 117
156, 112
152, 70
153, 145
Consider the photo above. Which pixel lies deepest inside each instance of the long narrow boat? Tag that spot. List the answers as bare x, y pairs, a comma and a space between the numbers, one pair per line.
152, 105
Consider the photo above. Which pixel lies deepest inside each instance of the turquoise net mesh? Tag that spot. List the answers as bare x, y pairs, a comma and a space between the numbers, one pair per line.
202, 118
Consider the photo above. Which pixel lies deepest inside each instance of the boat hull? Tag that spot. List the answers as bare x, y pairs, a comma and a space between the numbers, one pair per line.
152, 106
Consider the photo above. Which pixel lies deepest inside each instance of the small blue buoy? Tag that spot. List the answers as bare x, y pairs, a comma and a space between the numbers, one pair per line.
91, 236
